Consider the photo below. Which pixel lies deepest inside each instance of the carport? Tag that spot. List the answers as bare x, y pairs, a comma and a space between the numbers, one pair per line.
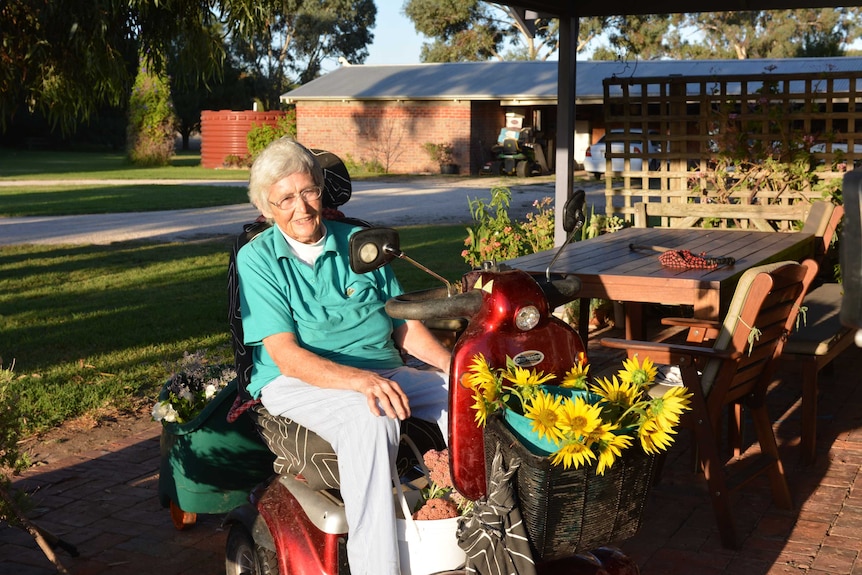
568, 12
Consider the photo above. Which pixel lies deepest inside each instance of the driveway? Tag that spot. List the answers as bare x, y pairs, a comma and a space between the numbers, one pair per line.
386, 203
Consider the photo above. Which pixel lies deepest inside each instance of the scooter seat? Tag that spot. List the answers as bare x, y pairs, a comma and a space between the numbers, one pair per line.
304, 454
298, 450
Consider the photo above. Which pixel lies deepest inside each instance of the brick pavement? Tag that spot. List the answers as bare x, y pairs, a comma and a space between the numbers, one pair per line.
105, 502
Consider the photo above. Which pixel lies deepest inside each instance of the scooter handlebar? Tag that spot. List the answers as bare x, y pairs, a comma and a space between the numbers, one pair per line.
560, 289
434, 303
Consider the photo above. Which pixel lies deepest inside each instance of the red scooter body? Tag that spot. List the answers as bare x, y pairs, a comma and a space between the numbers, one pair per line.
552, 346
308, 534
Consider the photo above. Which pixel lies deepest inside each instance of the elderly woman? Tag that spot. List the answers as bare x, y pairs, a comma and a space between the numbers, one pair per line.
325, 352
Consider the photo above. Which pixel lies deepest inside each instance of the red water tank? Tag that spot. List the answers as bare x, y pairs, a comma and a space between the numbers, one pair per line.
223, 133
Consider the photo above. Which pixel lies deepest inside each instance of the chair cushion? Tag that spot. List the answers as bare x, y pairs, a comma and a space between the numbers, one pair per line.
822, 327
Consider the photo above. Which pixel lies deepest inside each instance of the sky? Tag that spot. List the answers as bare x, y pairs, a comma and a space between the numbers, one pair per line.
396, 41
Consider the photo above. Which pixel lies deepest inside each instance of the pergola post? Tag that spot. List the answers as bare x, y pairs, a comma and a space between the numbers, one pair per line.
565, 153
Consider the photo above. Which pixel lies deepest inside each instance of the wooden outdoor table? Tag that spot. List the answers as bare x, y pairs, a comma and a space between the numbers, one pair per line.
609, 270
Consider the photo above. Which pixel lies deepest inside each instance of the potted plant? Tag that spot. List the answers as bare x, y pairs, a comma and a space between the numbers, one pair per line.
429, 516
208, 464
442, 155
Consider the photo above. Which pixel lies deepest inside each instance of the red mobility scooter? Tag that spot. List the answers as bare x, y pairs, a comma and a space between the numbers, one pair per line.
294, 524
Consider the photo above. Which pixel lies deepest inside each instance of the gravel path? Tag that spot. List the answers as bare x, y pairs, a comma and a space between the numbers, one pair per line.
384, 202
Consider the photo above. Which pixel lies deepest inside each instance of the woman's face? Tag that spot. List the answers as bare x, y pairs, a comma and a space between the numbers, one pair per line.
300, 218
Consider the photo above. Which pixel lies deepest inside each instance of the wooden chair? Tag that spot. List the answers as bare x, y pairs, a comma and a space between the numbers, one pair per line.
822, 337
737, 367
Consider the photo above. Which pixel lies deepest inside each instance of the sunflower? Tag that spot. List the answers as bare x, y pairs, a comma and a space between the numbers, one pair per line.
615, 392
638, 374
479, 373
578, 418
573, 453
543, 409
577, 376
653, 437
482, 408
522, 377
666, 410
609, 448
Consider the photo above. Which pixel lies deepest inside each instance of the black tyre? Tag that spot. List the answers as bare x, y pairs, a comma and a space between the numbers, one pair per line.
244, 557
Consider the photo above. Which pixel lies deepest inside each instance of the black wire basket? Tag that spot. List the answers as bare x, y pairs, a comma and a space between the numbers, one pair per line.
569, 511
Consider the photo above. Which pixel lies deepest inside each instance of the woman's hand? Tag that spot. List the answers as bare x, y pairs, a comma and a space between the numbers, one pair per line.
293, 361
382, 394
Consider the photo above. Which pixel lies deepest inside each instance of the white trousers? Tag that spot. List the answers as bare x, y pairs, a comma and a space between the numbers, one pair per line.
366, 446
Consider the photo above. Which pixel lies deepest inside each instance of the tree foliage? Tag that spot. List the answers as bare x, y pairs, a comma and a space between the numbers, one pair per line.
473, 30
732, 35
291, 40
66, 59
462, 30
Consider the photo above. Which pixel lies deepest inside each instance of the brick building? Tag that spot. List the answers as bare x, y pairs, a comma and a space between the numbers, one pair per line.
387, 113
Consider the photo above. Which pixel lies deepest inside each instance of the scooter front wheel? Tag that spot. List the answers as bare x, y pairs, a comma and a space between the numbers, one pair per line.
244, 557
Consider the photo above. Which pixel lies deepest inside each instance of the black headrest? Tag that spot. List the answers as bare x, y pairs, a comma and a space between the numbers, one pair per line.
336, 179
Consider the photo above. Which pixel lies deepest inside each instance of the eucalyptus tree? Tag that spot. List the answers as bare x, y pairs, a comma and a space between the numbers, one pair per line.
287, 42
732, 35
473, 30
66, 59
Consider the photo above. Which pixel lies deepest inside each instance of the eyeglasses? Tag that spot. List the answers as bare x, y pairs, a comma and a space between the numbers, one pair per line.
308, 195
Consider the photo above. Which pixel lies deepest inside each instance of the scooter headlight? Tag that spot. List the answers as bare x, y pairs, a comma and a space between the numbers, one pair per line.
527, 318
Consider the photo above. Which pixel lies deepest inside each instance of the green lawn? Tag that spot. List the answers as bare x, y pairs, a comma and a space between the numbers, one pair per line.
66, 200
90, 327
66, 165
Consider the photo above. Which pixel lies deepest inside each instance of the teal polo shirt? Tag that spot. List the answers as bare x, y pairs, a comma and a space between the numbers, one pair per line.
332, 311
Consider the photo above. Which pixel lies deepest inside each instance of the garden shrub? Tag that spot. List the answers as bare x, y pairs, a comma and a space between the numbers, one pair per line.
260, 136
153, 122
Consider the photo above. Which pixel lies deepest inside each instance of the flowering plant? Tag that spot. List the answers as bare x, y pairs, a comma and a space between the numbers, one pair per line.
191, 387
440, 500
595, 425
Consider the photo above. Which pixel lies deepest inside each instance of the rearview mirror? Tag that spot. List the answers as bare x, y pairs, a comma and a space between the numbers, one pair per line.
373, 248
573, 211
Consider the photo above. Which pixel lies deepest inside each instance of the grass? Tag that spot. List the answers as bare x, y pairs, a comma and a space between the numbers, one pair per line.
97, 327
67, 165
94, 329
66, 200
70, 165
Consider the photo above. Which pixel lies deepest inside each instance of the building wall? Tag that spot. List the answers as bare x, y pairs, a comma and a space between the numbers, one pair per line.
391, 133
487, 119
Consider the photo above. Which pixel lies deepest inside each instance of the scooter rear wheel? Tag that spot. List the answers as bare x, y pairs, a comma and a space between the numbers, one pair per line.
244, 557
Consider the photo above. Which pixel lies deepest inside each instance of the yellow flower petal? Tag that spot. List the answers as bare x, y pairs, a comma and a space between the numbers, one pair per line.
616, 392
543, 410
654, 438
668, 408
640, 375
573, 454
577, 377
578, 418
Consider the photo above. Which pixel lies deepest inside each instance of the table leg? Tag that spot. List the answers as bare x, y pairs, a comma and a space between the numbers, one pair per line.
635, 328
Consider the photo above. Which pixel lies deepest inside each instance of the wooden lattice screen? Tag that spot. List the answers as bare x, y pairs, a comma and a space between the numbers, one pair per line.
701, 121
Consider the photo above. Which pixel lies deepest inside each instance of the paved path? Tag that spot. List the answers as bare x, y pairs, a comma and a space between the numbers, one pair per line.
395, 203
105, 502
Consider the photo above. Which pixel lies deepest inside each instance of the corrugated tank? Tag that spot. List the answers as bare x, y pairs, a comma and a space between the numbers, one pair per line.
223, 133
